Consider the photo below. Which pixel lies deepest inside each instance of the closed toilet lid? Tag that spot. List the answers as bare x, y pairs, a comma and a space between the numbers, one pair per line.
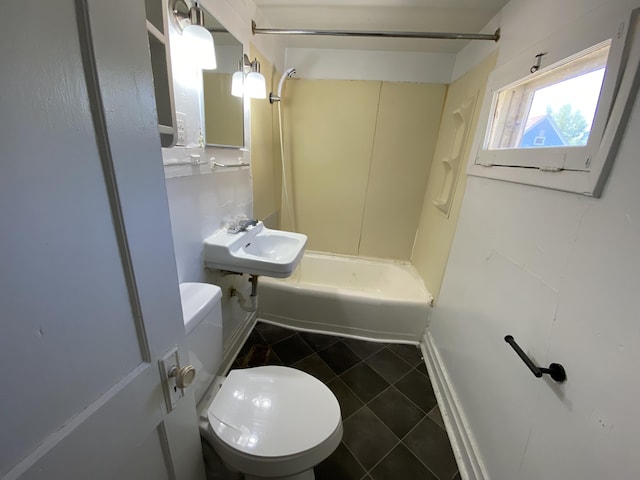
273, 411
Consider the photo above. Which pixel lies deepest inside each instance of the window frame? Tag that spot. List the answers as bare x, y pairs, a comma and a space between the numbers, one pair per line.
571, 168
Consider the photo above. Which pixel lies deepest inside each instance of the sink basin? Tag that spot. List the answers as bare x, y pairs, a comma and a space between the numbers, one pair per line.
258, 251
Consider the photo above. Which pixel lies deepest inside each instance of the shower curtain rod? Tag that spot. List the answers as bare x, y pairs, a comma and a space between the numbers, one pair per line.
347, 33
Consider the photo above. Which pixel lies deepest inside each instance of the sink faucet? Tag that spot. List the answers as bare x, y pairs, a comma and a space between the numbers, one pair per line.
242, 226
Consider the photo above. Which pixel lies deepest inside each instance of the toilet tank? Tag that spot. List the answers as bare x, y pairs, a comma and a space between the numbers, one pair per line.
202, 313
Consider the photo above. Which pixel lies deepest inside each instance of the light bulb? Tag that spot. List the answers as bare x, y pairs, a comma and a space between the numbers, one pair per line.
255, 85
200, 45
237, 84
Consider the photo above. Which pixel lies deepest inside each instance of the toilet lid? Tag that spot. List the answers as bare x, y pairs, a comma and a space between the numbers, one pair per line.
273, 411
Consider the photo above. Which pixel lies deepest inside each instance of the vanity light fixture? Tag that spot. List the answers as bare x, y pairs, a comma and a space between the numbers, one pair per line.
248, 81
190, 21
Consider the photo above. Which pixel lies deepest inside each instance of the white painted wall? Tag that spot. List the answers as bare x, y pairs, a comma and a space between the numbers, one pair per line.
199, 205
202, 200
561, 273
318, 63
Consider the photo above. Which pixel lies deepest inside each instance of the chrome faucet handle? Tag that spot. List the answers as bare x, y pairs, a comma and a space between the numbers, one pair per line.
242, 226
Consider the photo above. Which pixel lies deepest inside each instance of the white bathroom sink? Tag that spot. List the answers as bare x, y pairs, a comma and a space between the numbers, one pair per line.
258, 251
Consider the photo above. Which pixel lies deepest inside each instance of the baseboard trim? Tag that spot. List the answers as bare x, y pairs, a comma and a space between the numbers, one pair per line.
462, 441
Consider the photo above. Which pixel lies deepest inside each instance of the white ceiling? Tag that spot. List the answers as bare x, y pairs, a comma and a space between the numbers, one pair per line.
456, 16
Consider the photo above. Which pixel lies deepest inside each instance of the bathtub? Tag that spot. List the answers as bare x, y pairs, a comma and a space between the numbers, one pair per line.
368, 298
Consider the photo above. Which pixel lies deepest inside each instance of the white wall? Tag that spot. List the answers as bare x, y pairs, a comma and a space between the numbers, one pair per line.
318, 63
561, 273
202, 200
198, 206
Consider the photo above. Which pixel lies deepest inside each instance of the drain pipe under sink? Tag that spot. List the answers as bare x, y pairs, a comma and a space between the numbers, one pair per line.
250, 305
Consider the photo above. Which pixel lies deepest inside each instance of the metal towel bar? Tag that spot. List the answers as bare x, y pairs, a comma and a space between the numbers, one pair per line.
232, 165
555, 370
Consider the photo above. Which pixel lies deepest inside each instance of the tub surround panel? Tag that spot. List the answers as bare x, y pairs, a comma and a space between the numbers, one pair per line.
360, 153
265, 165
329, 128
435, 230
406, 131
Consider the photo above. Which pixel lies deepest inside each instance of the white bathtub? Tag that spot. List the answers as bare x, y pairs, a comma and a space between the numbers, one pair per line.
376, 299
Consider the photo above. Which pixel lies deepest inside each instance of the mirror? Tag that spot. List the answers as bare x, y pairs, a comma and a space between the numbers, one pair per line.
223, 113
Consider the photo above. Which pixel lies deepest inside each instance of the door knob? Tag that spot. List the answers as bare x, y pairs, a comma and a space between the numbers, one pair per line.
183, 375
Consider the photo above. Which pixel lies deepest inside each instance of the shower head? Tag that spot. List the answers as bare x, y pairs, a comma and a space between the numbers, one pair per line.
288, 74
278, 97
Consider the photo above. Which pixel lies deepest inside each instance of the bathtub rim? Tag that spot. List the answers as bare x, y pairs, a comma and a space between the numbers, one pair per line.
407, 267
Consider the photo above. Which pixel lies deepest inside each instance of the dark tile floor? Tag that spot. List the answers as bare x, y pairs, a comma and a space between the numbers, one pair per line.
392, 425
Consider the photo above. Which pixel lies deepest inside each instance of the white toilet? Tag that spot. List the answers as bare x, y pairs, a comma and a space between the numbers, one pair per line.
265, 422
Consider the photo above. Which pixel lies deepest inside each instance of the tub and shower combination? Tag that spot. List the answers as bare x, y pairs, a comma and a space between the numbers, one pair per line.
346, 295
370, 298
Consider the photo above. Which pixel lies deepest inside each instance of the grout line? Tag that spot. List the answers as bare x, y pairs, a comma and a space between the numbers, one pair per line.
276, 355
379, 373
414, 427
377, 397
383, 457
293, 332
429, 415
356, 354
426, 375
411, 429
384, 345
381, 420
350, 368
357, 410
300, 359
399, 441
323, 362
405, 360
420, 461
405, 396
364, 404
323, 348
401, 358
366, 472
403, 376
254, 329
425, 465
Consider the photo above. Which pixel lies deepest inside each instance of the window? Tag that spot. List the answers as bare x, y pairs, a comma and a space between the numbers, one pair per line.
553, 108
559, 127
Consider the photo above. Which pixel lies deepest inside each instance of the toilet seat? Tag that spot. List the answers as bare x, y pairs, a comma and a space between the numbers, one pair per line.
274, 421
273, 411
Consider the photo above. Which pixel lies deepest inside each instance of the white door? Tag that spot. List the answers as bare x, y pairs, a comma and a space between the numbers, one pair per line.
89, 298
